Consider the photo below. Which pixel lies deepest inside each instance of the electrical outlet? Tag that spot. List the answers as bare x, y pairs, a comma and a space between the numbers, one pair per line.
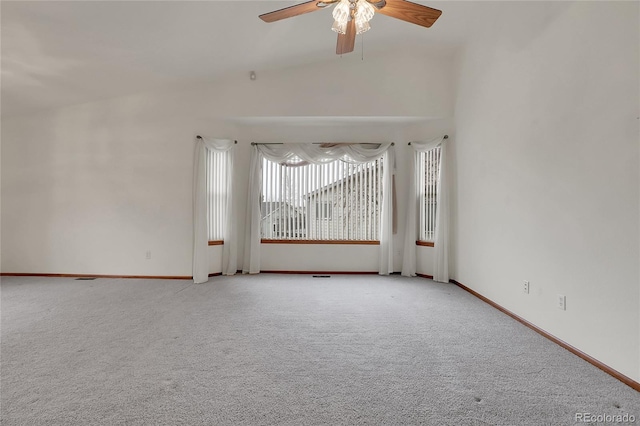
562, 302
147, 255
525, 288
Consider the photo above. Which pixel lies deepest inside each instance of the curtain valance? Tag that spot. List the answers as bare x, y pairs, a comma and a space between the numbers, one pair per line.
219, 145
293, 154
428, 145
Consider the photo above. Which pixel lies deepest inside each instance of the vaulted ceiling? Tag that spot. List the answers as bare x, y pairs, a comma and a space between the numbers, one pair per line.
58, 53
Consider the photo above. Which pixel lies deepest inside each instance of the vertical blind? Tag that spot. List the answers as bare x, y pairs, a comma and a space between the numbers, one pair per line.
331, 201
427, 175
216, 171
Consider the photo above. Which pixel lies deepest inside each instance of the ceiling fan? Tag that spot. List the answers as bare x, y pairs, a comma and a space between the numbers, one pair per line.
352, 16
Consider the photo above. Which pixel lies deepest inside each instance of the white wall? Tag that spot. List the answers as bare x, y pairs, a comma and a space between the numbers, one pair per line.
323, 257
547, 162
90, 188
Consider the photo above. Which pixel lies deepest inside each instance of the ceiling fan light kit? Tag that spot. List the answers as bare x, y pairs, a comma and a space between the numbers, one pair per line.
360, 10
352, 17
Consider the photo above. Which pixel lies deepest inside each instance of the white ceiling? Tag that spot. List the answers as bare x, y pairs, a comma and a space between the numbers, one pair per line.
57, 53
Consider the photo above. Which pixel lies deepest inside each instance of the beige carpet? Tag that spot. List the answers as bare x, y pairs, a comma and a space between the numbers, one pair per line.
283, 350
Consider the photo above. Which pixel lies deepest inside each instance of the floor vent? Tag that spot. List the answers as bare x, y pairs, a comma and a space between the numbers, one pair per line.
85, 279
322, 276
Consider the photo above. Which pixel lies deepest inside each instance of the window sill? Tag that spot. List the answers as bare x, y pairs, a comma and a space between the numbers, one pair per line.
425, 243
216, 243
361, 243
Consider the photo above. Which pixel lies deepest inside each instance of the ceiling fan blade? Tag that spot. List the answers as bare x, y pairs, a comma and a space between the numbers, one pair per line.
346, 42
410, 12
298, 9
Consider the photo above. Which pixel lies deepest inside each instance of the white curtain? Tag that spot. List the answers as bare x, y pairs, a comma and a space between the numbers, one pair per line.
441, 243
441, 258
252, 229
386, 214
294, 154
300, 154
200, 238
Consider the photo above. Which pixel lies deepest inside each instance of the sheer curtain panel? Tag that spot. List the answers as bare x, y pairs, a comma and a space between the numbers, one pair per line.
251, 263
441, 243
386, 214
441, 260
200, 240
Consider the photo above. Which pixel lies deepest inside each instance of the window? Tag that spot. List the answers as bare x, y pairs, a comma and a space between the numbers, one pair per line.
216, 171
427, 175
323, 210
333, 201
